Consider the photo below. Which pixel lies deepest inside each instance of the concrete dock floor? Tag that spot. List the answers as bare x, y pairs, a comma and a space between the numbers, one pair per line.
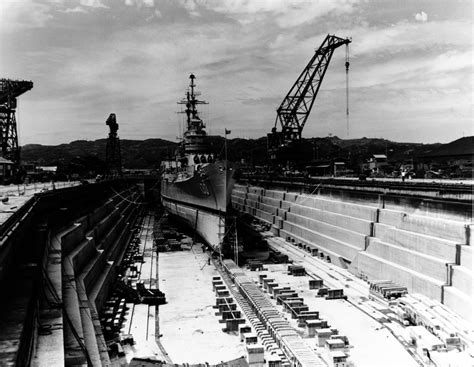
190, 330
373, 344
141, 319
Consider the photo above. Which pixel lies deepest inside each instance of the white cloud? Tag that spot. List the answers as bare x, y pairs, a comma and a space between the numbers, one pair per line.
399, 37
76, 9
140, 3
421, 17
93, 4
285, 13
16, 15
191, 7
418, 72
246, 55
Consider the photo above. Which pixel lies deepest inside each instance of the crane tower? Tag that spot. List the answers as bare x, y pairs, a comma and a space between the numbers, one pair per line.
296, 106
10, 90
113, 156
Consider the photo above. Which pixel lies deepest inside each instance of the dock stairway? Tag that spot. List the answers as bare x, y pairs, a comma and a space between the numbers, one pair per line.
422, 248
86, 255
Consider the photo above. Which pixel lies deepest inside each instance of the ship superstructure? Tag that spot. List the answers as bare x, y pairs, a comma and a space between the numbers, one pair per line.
196, 185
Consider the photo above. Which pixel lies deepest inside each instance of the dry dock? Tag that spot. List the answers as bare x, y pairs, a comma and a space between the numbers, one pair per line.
82, 288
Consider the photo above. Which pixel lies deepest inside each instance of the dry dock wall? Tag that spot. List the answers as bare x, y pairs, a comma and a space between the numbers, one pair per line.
58, 256
92, 248
427, 251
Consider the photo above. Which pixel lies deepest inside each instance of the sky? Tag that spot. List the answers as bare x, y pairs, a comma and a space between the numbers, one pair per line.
410, 78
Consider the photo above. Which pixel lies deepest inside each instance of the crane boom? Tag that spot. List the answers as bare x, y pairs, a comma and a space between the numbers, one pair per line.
296, 106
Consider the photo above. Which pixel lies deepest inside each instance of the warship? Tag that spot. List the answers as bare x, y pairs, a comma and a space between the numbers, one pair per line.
196, 185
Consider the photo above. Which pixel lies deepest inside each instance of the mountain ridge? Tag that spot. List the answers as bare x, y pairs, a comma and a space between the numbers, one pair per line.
149, 153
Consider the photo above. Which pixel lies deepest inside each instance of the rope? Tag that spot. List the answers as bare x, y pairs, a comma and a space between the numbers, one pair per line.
319, 184
143, 202
127, 199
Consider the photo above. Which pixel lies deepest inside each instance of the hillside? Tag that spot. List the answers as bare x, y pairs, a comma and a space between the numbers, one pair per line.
135, 153
148, 153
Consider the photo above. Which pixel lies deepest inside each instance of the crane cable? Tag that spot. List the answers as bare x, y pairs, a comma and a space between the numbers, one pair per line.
347, 87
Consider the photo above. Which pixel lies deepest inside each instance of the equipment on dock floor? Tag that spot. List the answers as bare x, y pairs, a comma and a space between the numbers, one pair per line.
277, 257
296, 270
129, 293
150, 296
386, 291
335, 294
296, 106
10, 90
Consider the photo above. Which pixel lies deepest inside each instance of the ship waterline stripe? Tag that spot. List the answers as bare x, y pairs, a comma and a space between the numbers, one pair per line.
195, 206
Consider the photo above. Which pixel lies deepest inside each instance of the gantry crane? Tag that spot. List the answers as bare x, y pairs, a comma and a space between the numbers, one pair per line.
296, 106
10, 90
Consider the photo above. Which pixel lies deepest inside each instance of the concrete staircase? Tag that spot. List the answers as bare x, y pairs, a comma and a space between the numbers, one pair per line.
428, 253
90, 249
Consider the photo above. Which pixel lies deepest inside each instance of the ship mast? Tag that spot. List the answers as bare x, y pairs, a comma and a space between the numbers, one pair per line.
194, 122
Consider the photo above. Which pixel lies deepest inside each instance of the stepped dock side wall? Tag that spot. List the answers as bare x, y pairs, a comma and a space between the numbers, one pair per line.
429, 252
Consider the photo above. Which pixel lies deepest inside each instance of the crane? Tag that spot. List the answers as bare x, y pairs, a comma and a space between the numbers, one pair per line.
113, 156
293, 112
10, 90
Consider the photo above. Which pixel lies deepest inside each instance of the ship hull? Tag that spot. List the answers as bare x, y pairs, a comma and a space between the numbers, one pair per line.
201, 201
209, 226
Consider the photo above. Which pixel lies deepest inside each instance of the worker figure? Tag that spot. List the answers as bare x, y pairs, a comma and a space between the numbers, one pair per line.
403, 175
208, 261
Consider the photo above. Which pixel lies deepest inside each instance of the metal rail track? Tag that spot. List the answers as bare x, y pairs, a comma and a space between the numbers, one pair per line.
315, 263
296, 351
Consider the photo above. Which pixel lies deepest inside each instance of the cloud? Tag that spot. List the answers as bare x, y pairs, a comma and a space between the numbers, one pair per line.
93, 4
76, 9
399, 37
246, 55
442, 71
421, 17
191, 7
140, 3
285, 13
23, 14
